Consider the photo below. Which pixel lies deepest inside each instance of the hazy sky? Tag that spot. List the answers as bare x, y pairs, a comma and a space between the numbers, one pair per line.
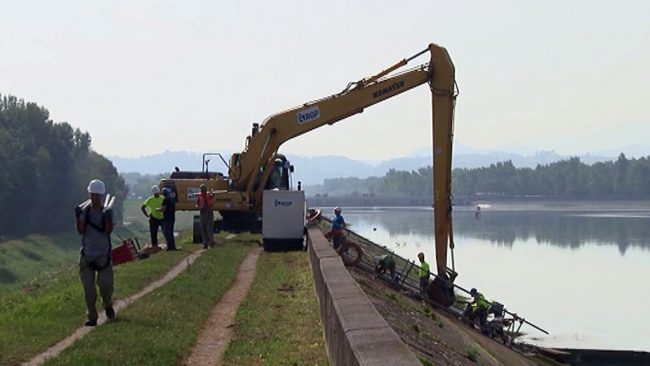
147, 76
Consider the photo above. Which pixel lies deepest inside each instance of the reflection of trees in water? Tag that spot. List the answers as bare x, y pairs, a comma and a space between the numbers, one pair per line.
559, 229
504, 228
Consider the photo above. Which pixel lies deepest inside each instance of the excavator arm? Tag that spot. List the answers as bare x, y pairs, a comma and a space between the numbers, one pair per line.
263, 144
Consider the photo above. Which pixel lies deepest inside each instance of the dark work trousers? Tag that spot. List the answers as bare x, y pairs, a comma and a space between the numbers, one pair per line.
100, 270
207, 227
154, 224
168, 232
424, 284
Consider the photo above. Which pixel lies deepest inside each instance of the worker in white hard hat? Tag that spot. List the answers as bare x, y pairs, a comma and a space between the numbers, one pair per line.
155, 214
95, 224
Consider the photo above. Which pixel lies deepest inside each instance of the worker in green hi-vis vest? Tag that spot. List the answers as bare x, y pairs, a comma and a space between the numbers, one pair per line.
424, 275
478, 308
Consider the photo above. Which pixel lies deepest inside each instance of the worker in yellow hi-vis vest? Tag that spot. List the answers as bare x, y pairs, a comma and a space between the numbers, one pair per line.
424, 275
477, 309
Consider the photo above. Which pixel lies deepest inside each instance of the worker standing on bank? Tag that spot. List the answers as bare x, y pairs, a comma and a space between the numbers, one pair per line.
169, 218
95, 224
204, 203
424, 275
338, 224
155, 214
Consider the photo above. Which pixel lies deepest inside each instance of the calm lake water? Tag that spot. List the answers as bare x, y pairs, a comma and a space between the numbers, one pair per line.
579, 270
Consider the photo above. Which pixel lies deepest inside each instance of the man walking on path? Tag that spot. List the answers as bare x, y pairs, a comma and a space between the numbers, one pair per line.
95, 224
205, 204
155, 214
169, 218
424, 275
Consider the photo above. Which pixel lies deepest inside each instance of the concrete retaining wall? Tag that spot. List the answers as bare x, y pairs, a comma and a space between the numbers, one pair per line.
355, 332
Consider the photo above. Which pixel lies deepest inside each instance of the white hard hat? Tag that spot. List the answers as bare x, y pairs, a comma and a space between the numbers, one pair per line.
337, 209
155, 189
96, 186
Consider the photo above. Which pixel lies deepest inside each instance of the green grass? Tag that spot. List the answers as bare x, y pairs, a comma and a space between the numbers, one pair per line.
279, 323
32, 260
161, 328
41, 303
472, 354
34, 318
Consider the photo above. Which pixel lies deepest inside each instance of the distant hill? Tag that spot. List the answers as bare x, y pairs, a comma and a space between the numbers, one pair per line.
165, 162
312, 170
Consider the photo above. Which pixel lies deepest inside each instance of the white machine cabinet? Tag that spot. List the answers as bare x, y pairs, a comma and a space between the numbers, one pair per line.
283, 219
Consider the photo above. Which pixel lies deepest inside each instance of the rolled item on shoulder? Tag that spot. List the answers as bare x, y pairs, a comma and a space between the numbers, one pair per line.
84, 204
110, 204
107, 199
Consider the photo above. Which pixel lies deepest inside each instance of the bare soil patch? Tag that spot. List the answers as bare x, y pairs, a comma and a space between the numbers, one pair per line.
432, 335
218, 329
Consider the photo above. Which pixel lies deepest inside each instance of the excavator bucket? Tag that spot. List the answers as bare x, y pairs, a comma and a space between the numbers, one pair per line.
441, 289
441, 292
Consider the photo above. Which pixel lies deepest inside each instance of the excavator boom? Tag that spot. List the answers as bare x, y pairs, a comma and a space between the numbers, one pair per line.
250, 170
439, 73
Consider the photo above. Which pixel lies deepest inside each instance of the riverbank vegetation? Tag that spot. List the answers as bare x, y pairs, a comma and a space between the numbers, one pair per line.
622, 178
26, 262
161, 328
35, 318
46, 168
277, 323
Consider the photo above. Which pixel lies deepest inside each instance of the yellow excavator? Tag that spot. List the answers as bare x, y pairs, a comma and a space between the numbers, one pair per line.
259, 167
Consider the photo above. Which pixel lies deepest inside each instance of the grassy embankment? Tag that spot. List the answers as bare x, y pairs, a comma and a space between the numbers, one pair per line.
34, 319
161, 327
279, 323
30, 261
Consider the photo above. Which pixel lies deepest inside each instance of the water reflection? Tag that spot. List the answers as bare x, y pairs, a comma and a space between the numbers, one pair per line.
504, 228
525, 258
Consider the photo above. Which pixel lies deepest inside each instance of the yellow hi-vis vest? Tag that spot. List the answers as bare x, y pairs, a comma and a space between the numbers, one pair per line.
424, 269
480, 302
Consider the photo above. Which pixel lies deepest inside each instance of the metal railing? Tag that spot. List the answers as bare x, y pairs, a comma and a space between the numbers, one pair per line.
408, 275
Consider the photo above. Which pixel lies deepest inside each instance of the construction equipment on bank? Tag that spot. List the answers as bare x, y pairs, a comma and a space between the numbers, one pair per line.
238, 197
124, 252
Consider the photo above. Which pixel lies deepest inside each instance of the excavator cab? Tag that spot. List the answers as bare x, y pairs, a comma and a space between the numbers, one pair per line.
280, 177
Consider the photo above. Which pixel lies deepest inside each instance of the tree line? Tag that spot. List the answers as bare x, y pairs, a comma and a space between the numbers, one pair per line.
46, 167
140, 184
620, 178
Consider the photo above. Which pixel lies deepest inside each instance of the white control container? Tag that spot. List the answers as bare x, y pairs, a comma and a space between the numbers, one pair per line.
283, 219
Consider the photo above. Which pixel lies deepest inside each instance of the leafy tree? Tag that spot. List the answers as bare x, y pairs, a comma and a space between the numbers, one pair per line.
46, 168
623, 178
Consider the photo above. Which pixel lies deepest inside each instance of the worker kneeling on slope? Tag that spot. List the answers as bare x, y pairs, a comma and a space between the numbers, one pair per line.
477, 309
385, 263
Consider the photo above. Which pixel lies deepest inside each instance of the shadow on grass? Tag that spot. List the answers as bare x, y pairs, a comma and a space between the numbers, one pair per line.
30, 255
6, 276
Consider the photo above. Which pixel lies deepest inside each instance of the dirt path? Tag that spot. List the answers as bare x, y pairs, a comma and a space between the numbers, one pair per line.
118, 306
217, 331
